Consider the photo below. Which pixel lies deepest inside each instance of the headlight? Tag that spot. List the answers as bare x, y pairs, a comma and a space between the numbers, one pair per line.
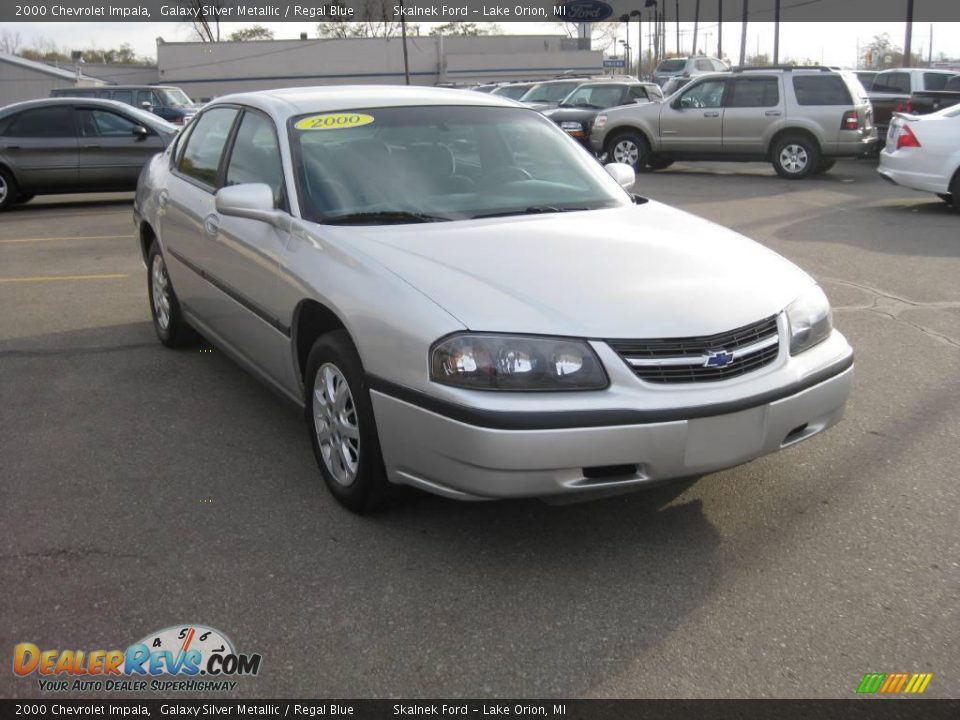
600, 122
508, 362
810, 320
571, 126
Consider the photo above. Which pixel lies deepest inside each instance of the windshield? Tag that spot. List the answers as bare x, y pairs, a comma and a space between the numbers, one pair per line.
423, 164
597, 97
549, 92
672, 65
174, 97
514, 92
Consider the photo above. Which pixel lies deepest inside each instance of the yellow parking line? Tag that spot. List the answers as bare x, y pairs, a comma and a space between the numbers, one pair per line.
49, 278
82, 237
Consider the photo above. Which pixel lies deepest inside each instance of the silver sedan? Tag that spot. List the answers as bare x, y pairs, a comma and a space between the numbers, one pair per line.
463, 300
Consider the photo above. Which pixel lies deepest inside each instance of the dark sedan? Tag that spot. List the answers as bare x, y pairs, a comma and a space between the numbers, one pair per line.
75, 146
576, 113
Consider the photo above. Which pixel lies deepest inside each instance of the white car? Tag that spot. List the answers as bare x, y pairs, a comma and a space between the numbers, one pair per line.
463, 300
923, 153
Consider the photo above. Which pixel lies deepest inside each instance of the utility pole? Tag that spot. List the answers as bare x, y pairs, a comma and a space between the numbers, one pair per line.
930, 48
403, 32
720, 29
776, 33
696, 25
743, 34
907, 50
677, 18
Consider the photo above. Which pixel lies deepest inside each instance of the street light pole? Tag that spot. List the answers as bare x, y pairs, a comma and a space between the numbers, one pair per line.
776, 33
720, 29
743, 34
907, 49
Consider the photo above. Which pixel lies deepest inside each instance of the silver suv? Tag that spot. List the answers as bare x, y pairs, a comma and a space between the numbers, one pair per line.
799, 119
692, 66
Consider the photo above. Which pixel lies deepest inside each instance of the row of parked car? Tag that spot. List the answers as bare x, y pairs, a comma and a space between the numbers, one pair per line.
801, 119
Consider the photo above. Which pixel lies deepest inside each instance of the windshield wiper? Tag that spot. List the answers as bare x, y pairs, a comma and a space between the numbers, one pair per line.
533, 210
381, 217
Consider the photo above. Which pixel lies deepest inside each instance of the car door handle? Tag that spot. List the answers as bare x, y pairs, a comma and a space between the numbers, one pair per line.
772, 113
91, 147
11, 147
714, 113
211, 225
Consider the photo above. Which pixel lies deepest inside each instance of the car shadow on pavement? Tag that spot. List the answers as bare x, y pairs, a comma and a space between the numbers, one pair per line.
180, 482
71, 202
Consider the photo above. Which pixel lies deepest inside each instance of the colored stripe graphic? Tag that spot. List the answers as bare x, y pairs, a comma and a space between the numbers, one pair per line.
894, 683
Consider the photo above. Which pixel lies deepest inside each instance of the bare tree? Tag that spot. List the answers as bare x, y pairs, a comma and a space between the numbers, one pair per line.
602, 34
254, 32
206, 25
376, 19
10, 41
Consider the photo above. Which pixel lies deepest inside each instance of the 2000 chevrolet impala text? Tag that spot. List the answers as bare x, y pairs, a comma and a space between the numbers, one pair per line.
464, 301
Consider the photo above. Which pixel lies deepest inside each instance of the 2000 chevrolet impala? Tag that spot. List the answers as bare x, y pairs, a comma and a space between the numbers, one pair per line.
464, 301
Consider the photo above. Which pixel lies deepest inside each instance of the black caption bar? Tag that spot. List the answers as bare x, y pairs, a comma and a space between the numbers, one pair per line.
861, 709
462, 10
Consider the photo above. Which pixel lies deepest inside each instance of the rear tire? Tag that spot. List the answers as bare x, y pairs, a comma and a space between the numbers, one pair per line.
8, 189
795, 157
630, 148
955, 191
172, 330
946, 197
342, 428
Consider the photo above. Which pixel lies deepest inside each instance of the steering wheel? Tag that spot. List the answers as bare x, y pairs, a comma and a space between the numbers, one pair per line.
507, 173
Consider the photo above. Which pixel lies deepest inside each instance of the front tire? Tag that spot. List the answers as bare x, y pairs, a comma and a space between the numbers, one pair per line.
342, 429
660, 163
955, 191
168, 322
795, 157
825, 166
629, 148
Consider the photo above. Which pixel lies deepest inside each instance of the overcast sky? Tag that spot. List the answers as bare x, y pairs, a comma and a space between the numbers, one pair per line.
829, 43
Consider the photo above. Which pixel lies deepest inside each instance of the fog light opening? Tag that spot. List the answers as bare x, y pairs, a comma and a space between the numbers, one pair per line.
796, 434
608, 472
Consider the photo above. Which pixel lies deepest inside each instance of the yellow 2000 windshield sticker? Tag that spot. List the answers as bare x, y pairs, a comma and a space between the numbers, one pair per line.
333, 121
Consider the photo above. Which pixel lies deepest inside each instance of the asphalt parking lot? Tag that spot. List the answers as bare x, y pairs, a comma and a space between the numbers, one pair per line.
143, 488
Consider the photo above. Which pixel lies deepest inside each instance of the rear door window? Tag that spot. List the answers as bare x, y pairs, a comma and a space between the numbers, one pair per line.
754, 92
201, 156
935, 81
42, 122
895, 82
704, 65
124, 96
821, 90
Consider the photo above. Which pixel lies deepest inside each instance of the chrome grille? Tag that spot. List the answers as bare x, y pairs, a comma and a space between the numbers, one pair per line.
708, 358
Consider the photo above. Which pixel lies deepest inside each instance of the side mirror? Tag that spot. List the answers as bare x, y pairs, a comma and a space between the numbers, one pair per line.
622, 173
146, 105
140, 131
253, 201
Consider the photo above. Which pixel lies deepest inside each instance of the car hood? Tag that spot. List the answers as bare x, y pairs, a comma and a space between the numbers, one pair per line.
638, 271
563, 114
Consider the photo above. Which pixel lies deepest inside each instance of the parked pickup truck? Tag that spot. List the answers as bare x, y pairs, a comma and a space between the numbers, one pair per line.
925, 102
891, 90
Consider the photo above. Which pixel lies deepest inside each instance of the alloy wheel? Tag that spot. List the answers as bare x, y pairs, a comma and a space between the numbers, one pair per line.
160, 289
794, 158
4, 189
627, 152
336, 423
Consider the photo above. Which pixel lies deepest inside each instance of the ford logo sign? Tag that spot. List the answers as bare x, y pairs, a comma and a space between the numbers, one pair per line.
583, 11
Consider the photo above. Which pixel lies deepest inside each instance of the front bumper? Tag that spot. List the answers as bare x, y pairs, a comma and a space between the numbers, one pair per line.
464, 456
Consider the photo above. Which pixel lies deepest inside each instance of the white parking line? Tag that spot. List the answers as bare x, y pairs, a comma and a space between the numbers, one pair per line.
51, 239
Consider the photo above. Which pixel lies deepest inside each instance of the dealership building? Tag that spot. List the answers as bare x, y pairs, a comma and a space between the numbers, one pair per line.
206, 70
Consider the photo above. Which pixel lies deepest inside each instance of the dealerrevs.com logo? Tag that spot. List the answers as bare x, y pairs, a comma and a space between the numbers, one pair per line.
186, 657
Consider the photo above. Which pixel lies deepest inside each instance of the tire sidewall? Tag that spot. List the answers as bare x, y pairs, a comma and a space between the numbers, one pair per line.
813, 157
12, 191
177, 332
643, 149
369, 490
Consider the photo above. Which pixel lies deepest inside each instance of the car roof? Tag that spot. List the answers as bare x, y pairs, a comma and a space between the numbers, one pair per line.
90, 102
285, 102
